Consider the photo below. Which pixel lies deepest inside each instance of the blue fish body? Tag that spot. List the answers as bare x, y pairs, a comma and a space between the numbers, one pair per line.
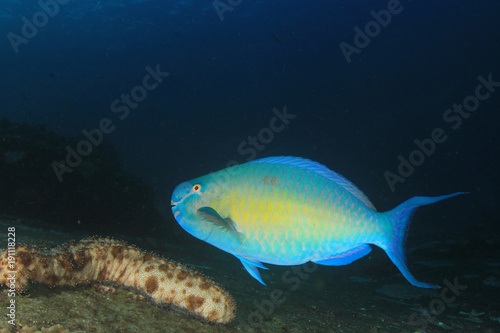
288, 211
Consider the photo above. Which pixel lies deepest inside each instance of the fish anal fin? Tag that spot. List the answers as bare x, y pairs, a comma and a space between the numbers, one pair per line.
347, 257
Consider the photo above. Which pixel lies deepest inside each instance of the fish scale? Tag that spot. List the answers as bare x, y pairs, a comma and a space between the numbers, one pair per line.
288, 211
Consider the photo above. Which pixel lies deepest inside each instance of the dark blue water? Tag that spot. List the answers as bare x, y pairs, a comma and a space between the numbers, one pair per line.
364, 104
226, 77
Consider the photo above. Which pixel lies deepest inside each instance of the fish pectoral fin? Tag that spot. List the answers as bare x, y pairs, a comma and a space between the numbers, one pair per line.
251, 267
210, 215
347, 257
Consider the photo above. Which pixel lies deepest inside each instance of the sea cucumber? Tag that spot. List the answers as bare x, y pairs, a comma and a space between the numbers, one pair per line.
109, 260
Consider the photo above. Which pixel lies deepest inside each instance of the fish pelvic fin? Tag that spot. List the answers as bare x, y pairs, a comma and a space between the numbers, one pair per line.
394, 244
251, 267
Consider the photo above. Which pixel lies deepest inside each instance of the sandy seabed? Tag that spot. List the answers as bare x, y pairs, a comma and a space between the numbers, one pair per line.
369, 295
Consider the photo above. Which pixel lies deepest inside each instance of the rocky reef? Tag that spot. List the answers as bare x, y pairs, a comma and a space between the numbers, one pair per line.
97, 196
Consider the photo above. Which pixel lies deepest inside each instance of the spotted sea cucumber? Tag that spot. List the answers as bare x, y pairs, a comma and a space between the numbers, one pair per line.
109, 260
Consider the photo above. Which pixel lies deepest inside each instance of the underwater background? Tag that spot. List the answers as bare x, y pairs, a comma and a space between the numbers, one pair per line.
108, 105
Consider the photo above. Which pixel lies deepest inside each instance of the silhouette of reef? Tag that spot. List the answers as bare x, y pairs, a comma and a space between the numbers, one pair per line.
97, 197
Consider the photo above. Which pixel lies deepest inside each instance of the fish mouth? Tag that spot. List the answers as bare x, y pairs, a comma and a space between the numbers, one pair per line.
175, 203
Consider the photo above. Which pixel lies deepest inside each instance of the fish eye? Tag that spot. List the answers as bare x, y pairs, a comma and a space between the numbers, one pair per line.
196, 188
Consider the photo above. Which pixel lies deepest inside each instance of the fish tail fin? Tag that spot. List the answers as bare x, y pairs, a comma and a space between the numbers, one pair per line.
394, 244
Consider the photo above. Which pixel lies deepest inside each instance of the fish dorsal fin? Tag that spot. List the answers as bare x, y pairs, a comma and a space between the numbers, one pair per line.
320, 169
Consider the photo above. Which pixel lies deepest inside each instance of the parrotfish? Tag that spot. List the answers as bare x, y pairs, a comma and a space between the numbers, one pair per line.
289, 211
